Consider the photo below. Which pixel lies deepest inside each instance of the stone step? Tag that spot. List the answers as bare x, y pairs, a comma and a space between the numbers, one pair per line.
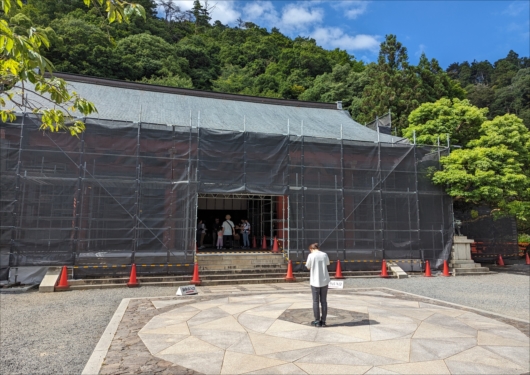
462, 261
471, 271
208, 276
282, 269
465, 265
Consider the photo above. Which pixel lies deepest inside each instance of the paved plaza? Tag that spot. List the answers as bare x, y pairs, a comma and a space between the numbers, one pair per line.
265, 329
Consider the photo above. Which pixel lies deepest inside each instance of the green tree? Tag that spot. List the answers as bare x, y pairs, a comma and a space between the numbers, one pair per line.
514, 98
480, 95
455, 118
169, 80
494, 169
393, 85
397, 86
144, 56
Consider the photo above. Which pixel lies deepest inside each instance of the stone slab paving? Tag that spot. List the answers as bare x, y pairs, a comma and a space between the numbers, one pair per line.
266, 330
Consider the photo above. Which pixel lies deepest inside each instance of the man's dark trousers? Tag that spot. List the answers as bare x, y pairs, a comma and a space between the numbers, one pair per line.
228, 241
320, 297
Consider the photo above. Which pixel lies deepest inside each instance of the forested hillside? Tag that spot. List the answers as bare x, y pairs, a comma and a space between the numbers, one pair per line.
184, 49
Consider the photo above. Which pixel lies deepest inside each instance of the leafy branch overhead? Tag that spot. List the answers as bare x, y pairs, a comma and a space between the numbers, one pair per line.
24, 84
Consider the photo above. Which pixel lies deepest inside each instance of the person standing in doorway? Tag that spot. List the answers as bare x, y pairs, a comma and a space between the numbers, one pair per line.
215, 230
317, 263
198, 232
245, 229
228, 232
219, 243
202, 228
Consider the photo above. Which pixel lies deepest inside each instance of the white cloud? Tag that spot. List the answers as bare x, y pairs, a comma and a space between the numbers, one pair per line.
300, 16
333, 37
351, 9
261, 12
421, 49
516, 8
224, 11
184, 5
293, 17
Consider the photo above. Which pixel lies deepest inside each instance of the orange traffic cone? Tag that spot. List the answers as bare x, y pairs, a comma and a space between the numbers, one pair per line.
63, 281
384, 272
264, 243
527, 259
446, 269
500, 262
254, 245
275, 246
133, 281
290, 276
195, 280
427, 269
338, 271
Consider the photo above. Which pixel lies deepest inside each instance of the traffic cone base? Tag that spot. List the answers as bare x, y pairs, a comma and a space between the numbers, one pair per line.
290, 276
63, 280
527, 259
384, 272
446, 269
500, 261
427, 269
133, 281
338, 271
275, 246
195, 280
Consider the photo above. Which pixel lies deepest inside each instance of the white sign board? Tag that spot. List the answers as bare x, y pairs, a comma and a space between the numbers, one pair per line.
336, 284
186, 290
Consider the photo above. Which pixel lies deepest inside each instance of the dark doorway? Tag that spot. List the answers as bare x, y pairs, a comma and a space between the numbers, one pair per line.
259, 210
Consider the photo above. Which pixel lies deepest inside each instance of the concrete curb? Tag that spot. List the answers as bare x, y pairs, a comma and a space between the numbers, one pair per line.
95, 361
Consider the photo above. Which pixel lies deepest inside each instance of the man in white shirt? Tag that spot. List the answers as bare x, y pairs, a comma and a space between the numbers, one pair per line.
317, 263
228, 232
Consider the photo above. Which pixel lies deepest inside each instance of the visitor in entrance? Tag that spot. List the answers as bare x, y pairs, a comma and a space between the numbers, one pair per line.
219, 242
228, 232
317, 263
198, 232
216, 227
245, 229
202, 231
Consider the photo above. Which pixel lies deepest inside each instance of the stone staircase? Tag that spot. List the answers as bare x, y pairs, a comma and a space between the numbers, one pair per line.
221, 269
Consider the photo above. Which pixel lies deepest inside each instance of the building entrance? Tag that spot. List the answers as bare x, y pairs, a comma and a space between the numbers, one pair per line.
266, 214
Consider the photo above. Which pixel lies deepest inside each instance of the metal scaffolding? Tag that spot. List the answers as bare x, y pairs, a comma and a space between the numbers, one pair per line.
128, 192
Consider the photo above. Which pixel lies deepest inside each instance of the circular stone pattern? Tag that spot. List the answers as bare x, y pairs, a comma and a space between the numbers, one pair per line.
370, 332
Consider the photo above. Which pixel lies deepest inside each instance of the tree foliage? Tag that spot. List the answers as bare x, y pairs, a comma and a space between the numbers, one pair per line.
434, 122
397, 86
503, 86
23, 67
491, 168
494, 169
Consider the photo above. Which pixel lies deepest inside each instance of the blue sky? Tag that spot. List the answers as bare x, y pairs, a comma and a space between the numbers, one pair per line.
450, 31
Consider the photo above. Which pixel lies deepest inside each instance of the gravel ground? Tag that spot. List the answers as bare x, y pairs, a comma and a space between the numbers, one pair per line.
56, 333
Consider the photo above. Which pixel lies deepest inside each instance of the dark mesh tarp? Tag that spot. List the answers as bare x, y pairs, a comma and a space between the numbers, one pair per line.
492, 236
127, 192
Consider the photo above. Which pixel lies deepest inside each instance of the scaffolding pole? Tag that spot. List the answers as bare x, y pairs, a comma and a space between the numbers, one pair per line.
13, 261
